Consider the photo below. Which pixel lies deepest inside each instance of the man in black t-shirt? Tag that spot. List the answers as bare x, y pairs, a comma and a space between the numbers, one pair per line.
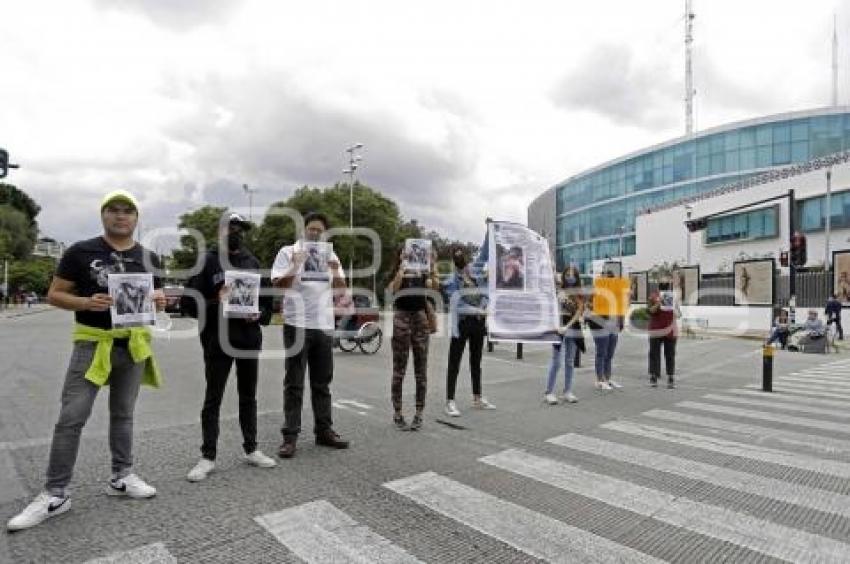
102, 355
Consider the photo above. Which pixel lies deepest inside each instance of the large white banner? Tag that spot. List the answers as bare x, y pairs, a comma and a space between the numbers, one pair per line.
523, 302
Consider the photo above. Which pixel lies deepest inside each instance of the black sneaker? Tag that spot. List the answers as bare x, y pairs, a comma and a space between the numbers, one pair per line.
399, 422
671, 384
653, 382
416, 423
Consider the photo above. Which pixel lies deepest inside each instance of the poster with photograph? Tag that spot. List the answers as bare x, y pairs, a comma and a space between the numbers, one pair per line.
316, 262
523, 305
667, 300
754, 282
241, 296
686, 284
132, 299
841, 276
613, 267
416, 257
638, 285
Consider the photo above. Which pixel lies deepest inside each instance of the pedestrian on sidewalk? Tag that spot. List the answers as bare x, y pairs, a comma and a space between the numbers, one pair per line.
308, 327
663, 306
571, 302
412, 313
833, 315
466, 290
225, 342
121, 358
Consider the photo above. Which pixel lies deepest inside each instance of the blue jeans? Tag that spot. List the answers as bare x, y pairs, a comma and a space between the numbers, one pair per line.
606, 343
562, 354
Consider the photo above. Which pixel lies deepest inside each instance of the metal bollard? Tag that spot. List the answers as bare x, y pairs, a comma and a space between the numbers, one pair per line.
489, 345
519, 351
767, 369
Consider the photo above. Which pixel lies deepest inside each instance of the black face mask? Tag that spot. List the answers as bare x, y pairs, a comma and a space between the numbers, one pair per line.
460, 262
234, 241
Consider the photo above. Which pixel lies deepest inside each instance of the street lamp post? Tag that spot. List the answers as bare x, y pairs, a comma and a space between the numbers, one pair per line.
688, 210
250, 193
353, 163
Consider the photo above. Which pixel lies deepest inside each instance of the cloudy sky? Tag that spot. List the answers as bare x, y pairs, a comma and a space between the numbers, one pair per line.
466, 108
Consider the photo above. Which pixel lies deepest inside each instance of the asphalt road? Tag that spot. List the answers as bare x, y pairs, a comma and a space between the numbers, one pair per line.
714, 470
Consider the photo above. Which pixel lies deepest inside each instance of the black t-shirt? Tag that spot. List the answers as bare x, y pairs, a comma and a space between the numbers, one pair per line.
412, 301
87, 264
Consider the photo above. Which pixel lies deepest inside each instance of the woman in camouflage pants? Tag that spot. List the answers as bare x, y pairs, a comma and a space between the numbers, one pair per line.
411, 331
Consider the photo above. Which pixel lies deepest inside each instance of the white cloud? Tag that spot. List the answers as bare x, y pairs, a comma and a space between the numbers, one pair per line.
466, 109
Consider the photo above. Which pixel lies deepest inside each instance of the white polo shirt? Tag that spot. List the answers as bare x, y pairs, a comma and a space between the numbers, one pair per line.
307, 304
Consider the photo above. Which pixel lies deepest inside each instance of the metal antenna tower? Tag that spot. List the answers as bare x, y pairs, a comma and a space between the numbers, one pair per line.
834, 60
689, 71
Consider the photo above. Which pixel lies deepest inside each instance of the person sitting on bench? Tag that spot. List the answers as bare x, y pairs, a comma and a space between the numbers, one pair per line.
780, 330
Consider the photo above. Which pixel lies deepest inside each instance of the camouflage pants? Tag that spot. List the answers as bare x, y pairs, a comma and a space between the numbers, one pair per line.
410, 332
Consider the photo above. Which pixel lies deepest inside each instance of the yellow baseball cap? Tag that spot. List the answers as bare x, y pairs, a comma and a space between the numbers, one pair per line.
119, 196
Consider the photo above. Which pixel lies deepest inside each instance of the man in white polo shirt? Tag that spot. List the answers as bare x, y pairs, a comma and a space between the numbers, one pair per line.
308, 322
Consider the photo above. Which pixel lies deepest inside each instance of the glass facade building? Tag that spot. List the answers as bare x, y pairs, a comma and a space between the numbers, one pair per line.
596, 210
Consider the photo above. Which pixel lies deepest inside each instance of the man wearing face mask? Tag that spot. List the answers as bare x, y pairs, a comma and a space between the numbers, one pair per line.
238, 341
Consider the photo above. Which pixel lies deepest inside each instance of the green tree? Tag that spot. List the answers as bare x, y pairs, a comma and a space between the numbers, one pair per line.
18, 199
17, 233
31, 275
206, 221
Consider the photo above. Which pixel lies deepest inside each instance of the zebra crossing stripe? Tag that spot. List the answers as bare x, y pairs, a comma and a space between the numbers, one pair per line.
528, 531
832, 374
732, 448
815, 386
149, 554
796, 398
318, 532
779, 404
842, 385
824, 444
801, 390
828, 502
713, 521
765, 416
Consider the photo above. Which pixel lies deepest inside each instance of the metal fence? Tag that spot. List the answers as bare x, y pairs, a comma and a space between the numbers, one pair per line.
812, 289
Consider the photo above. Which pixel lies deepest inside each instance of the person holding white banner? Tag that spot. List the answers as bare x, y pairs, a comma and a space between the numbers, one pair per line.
571, 301
102, 354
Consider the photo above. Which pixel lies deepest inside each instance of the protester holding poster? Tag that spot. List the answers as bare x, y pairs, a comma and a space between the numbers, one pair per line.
229, 334
411, 328
571, 301
610, 304
466, 289
102, 354
663, 306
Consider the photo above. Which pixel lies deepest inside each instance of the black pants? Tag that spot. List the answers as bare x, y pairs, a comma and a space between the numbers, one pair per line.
837, 321
655, 344
471, 329
316, 353
217, 366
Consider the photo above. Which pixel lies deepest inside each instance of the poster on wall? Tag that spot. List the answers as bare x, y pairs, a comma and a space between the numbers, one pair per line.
841, 276
686, 284
614, 267
638, 284
754, 282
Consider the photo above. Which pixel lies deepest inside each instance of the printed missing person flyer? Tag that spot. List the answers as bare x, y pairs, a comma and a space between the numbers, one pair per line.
132, 299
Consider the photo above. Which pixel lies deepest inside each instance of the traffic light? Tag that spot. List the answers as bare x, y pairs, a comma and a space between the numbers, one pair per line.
798, 249
783, 258
4, 163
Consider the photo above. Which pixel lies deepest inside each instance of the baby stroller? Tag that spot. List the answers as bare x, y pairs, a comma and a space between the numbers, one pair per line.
357, 326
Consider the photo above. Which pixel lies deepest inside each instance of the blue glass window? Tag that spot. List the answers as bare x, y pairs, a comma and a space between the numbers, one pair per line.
754, 224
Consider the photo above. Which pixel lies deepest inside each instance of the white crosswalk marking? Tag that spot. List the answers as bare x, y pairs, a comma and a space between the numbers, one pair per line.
784, 397
826, 374
840, 385
732, 448
779, 404
744, 530
150, 554
765, 416
813, 386
319, 532
828, 502
803, 390
819, 443
527, 531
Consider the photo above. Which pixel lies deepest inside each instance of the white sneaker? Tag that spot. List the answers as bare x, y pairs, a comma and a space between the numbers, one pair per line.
550, 398
451, 409
44, 506
201, 470
615, 385
482, 403
130, 486
569, 397
601, 385
259, 460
